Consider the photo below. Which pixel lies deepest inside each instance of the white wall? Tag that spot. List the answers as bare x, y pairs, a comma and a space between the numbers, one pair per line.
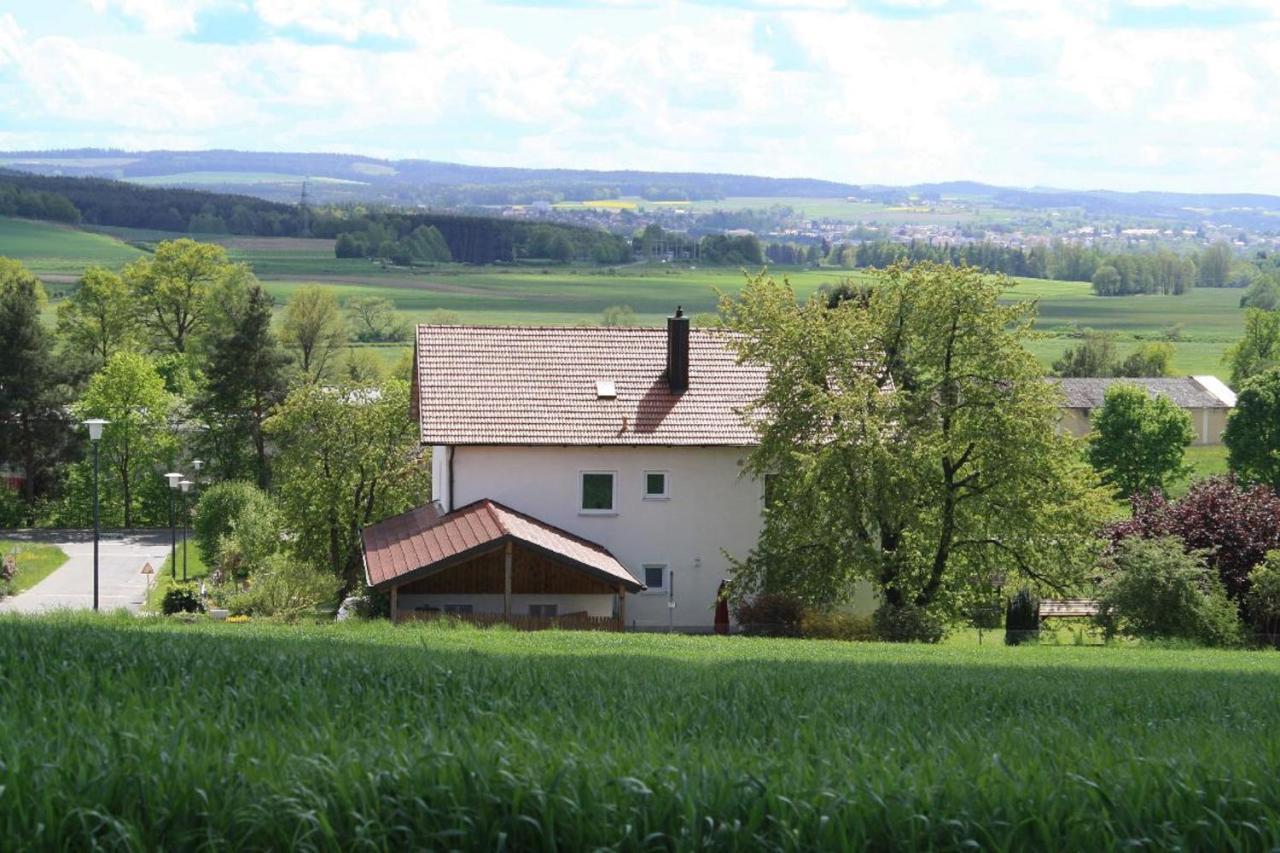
712, 507
595, 605
1207, 423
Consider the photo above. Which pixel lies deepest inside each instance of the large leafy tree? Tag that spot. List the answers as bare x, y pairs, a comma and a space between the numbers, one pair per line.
911, 441
172, 288
245, 378
1258, 350
315, 328
32, 422
348, 456
130, 394
373, 319
1137, 443
1252, 436
99, 318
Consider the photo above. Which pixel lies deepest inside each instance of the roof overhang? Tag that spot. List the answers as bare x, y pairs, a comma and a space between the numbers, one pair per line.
419, 544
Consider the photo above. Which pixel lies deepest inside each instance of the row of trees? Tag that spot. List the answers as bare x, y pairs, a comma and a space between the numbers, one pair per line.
432, 238
1096, 355
1112, 273
423, 245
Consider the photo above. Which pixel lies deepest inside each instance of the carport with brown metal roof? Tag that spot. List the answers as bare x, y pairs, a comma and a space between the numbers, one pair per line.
488, 550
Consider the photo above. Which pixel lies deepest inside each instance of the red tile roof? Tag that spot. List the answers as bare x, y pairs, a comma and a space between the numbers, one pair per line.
423, 541
537, 385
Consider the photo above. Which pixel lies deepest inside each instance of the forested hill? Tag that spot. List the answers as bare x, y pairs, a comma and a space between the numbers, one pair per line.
96, 201
1247, 209
469, 239
407, 178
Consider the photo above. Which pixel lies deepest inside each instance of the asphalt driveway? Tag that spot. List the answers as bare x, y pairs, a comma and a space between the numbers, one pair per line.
121, 583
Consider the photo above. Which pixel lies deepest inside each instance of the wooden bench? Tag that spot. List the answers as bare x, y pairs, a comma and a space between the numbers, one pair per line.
1068, 608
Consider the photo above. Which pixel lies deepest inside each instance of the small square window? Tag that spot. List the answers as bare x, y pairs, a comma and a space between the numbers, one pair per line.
655, 577
597, 491
655, 485
543, 611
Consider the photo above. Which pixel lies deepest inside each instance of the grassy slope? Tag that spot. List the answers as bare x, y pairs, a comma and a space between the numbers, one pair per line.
146, 733
35, 562
1208, 319
47, 248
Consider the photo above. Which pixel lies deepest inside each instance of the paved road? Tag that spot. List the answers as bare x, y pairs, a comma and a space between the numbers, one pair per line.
120, 579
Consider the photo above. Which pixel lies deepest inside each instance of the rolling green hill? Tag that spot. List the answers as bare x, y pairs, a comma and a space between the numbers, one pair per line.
49, 249
1204, 321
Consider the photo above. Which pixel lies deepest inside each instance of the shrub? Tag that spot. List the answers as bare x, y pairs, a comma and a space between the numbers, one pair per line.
833, 625
1263, 601
218, 508
1022, 618
285, 588
181, 599
907, 624
365, 603
8, 571
256, 534
770, 615
1153, 589
1233, 525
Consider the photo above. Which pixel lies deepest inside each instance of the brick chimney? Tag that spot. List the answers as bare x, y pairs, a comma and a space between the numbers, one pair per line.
678, 352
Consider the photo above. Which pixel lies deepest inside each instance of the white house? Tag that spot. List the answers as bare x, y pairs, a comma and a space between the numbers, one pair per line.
587, 475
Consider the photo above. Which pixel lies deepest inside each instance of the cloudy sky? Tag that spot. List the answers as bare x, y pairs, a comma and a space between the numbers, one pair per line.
1129, 94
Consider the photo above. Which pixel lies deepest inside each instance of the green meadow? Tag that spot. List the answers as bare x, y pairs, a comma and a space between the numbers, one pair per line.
50, 249
147, 733
1202, 324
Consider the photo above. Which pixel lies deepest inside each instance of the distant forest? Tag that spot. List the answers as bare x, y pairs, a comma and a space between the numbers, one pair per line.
1111, 273
409, 181
466, 239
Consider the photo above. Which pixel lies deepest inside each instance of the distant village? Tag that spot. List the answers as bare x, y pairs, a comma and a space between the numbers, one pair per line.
931, 221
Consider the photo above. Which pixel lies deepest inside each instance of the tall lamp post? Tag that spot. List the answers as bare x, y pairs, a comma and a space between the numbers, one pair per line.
185, 485
95, 426
173, 477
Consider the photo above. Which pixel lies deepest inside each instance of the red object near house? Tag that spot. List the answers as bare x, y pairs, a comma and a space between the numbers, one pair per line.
722, 611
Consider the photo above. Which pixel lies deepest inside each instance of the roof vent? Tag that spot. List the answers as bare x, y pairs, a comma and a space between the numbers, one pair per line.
605, 389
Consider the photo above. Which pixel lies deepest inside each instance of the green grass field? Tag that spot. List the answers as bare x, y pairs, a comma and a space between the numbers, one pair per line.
1205, 321
35, 562
129, 733
50, 249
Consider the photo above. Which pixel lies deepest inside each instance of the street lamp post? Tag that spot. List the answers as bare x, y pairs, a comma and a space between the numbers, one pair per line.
173, 477
185, 485
95, 426
195, 479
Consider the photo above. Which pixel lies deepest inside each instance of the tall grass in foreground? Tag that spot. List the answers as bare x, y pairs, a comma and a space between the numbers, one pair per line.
136, 733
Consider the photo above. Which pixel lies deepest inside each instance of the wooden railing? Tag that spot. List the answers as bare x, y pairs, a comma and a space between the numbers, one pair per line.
1068, 608
521, 622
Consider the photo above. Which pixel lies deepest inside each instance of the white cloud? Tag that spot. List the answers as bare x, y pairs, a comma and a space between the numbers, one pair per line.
163, 17
1056, 95
350, 20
